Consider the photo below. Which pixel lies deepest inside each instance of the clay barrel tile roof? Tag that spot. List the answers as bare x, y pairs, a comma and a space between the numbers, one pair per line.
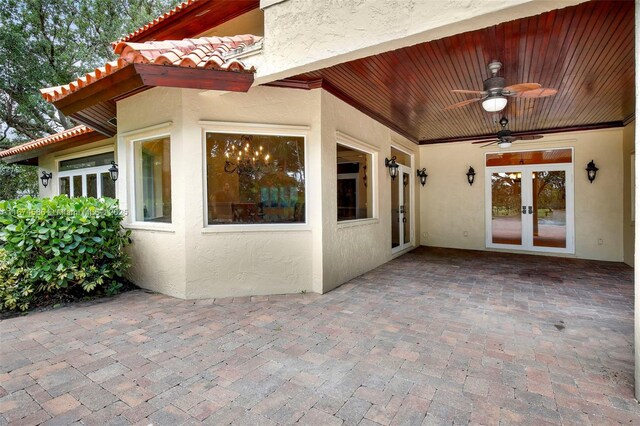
204, 52
47, 140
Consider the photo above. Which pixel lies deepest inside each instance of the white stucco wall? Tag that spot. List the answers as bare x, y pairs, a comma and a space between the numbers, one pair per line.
450, 207
355, 247
305, 35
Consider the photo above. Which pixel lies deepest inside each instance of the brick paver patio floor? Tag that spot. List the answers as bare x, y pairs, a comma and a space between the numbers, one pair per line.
434, 337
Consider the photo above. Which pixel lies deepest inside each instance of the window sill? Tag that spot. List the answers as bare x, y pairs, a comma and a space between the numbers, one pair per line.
357, 222
258, 227
153, 227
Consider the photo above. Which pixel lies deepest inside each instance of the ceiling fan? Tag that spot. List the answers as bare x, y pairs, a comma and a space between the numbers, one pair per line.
505, 138
494, 94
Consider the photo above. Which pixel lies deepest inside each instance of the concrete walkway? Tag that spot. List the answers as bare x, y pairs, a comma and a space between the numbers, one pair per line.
433, 337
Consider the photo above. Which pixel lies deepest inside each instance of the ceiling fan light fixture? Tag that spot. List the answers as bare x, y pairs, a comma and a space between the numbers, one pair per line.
504, 144
494, 103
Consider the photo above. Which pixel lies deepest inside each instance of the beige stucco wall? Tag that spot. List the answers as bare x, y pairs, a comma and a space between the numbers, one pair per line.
352, 248
249, 23
189, 260
304, 35
450, 207
628, 147
158, 251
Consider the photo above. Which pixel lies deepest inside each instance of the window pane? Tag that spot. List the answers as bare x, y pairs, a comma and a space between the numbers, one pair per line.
85, 162
77, 186
92, 186
65, 186
354, 190
108, 186
255, 179
153, 180
506, 220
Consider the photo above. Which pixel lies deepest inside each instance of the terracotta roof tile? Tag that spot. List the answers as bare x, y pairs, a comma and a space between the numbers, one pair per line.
204, 52
47, 140
176, 10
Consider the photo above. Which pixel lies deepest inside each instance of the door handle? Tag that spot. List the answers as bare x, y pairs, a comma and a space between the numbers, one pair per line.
404, 220
524, 209
530, 209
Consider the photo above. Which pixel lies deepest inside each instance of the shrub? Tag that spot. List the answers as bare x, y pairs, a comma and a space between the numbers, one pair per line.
59, 246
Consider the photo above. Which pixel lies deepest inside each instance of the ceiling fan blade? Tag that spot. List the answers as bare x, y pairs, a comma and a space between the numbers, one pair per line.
490, 143
527, 137
470, 92
484, 141
522, 87
537, 93
463, 103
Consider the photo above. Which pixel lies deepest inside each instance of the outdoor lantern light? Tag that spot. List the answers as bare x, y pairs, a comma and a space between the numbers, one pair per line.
45, 178
471, 175
393, 167
494, 103
591, 171
422, 174
113, 171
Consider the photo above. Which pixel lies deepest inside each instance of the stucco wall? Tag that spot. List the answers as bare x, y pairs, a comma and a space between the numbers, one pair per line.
158, 250
249, 260
628, 146
352, 248
304, 35
450, 207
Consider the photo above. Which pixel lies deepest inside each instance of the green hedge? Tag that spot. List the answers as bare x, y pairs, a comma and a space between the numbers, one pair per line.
60, 246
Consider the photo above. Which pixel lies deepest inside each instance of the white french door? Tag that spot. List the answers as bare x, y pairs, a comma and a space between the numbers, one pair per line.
530, 207
401, 218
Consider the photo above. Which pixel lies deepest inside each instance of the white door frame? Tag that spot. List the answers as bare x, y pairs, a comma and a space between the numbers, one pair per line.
526, 200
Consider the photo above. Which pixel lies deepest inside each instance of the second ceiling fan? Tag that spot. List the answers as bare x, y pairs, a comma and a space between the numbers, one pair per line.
494, 94
505, 138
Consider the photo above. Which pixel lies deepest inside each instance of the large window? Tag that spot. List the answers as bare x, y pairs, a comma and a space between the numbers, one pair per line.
87, 176
255, 178
153, 180
354, 185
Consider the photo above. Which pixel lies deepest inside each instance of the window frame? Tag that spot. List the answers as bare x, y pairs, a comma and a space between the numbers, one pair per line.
374, 152
131, 141
83, 172
252, 129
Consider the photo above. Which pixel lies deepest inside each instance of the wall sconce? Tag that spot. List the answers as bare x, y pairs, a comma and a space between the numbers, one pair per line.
422, 174
471, 175
393, 167
591, 171
45, 178
113, 171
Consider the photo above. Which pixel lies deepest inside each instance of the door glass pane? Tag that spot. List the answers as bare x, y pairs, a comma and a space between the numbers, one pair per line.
506, 218
395, 214
77, 186
549, 209
65, 186
108, 186
406, 220
92, 186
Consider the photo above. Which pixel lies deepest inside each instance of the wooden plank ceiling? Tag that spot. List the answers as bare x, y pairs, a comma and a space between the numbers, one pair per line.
586, 52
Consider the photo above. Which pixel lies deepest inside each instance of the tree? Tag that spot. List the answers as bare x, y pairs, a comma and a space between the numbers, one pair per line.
47, 43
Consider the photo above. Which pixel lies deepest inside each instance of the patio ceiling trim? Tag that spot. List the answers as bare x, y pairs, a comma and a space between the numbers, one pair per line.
292, 83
